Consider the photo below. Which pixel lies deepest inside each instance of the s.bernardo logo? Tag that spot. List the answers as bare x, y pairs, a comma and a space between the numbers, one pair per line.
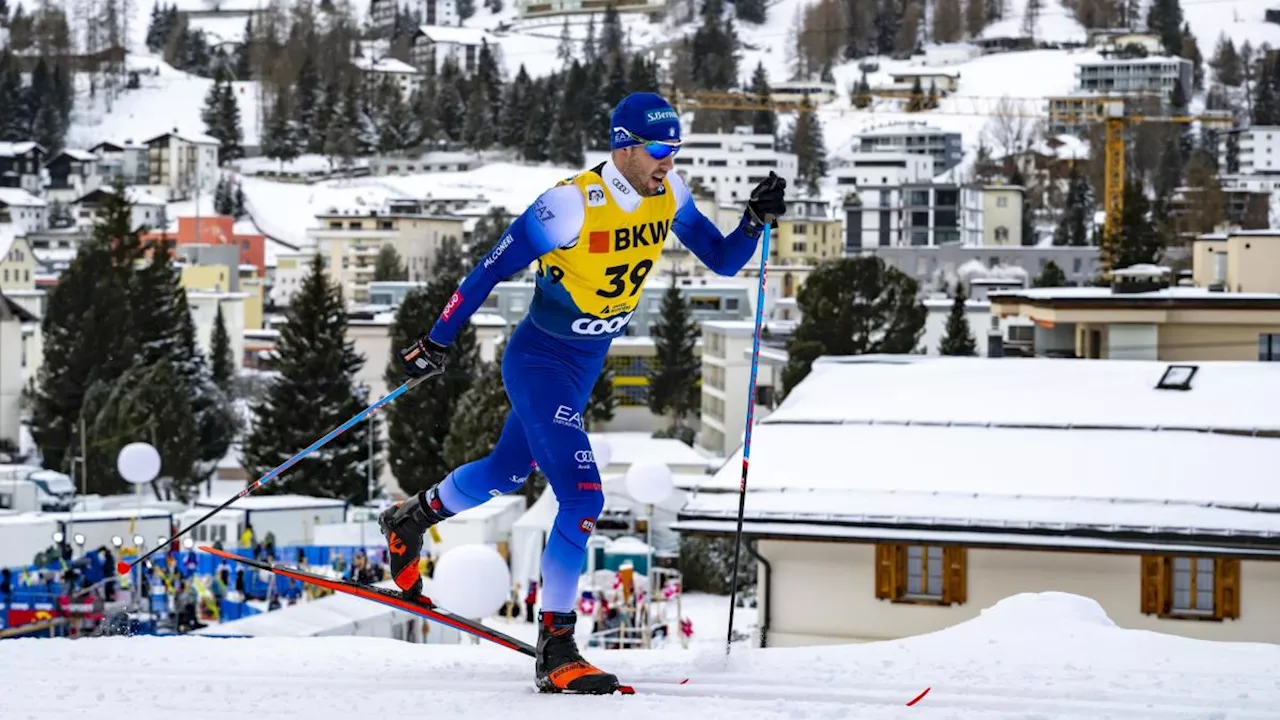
656, 116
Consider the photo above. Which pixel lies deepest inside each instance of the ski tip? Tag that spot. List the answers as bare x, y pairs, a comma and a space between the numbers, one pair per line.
626, 690
920, 697
122, 568
684, 681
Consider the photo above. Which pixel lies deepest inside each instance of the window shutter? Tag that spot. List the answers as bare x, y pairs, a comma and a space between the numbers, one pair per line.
1155, 585
954, 580
1226, 588
886, 571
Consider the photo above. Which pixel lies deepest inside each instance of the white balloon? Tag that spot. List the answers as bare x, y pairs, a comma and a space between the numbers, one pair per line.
649, 482
138, 462
601, 451
472, 581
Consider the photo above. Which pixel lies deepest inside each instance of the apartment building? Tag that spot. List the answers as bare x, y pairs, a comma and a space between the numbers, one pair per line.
349, 239
655, 9
726, 374
916, 138
729, 165
382, 13
1257, 150
126, 161
1156, 75
186, 163
20, 165
434, 43
871, 184
24, 211
810, 233
405, 76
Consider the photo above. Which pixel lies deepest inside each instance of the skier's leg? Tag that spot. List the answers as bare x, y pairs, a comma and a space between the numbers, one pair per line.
498, 473
405, 524
549, 392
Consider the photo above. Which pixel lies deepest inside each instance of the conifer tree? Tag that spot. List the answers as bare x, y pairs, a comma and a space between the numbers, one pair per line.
222, 363
810, 148
673, 381
1051, 276
763, 121
314, 391
87, 332
854, 306
601, 404
515, 110
389, 265
957, 339
418, 421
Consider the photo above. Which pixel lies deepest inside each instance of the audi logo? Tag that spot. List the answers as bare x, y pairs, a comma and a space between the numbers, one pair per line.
584, 456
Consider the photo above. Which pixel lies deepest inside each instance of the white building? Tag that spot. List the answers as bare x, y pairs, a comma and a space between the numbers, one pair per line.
894, 496
916, 138
1258, 149
434, 43
24, 211
17, 262
1136, 75
204, 315
726, 375
730, 165
12, 374
404, 75
881, 169
148, 210
185, 163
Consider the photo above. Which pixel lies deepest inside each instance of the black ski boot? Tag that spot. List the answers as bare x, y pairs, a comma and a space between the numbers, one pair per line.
404, 524
560, 668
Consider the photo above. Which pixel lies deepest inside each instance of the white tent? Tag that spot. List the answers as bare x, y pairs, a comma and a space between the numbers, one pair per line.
529, 537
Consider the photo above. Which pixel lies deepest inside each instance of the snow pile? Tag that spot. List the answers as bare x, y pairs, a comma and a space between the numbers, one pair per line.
1030, 610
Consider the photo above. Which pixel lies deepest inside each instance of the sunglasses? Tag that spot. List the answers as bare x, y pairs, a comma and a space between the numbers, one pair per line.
657, 149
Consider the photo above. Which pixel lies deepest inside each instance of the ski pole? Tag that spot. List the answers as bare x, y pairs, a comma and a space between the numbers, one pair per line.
123, 567
751, 411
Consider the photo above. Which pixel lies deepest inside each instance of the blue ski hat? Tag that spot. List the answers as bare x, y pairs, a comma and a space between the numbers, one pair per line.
646, 116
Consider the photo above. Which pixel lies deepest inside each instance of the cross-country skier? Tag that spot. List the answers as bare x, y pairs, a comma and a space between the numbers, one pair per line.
596, 237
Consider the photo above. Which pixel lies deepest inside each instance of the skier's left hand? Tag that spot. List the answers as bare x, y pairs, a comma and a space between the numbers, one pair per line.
767, 201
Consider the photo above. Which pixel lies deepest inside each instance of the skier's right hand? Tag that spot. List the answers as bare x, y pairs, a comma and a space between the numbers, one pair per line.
423, 359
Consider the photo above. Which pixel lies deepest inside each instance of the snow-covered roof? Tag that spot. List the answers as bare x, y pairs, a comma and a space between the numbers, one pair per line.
1100, 293
385, 65
17, 197
74, 154
629, 448
195, 138
456, 35
274, 502
1000, 443
8, 233
14, 149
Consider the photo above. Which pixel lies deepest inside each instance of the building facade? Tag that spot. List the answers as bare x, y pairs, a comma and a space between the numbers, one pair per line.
730, 165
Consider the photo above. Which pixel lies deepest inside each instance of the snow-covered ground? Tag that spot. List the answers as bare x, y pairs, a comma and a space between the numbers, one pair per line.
1030, 656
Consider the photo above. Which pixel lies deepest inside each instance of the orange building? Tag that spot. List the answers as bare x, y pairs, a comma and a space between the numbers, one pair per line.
219, 230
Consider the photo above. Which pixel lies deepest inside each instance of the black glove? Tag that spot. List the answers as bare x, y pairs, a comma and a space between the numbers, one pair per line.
423, 359
767, 202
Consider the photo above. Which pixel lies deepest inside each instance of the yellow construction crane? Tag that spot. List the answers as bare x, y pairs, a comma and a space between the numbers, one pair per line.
1110, 111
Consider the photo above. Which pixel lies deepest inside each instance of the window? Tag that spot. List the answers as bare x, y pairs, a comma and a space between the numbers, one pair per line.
927, 574
1002, 234
1269, 347
1197, 588
1002, 201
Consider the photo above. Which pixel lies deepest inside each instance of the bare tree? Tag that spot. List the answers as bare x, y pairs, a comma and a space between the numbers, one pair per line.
1030, 17
1012, 127
948, 25
975, 17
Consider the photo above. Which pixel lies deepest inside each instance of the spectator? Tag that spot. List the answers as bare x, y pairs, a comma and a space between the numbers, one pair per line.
270, 545
246, 537
6, 585
529, 599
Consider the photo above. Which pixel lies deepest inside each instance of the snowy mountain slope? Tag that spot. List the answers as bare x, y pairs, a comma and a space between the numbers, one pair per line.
1046, 655
167, 98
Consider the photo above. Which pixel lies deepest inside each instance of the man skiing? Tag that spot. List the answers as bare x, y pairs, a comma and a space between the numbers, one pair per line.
596, 237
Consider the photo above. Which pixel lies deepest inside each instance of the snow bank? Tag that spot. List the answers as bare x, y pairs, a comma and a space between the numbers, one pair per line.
1046, 655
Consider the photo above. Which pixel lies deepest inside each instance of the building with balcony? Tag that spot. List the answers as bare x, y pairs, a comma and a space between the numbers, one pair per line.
405, 76
72, 173
434, 43
1156, 75
916, 138
655, 9
20, 164
1233, 312
726, 375
185, 163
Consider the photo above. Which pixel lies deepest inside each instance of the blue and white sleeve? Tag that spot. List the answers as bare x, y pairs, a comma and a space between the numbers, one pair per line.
553, 221
725, 255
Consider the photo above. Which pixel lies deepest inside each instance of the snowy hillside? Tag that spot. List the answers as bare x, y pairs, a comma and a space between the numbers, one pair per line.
287, 210
1045, 656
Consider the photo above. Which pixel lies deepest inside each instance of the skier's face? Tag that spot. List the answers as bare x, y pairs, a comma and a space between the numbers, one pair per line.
643, 171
